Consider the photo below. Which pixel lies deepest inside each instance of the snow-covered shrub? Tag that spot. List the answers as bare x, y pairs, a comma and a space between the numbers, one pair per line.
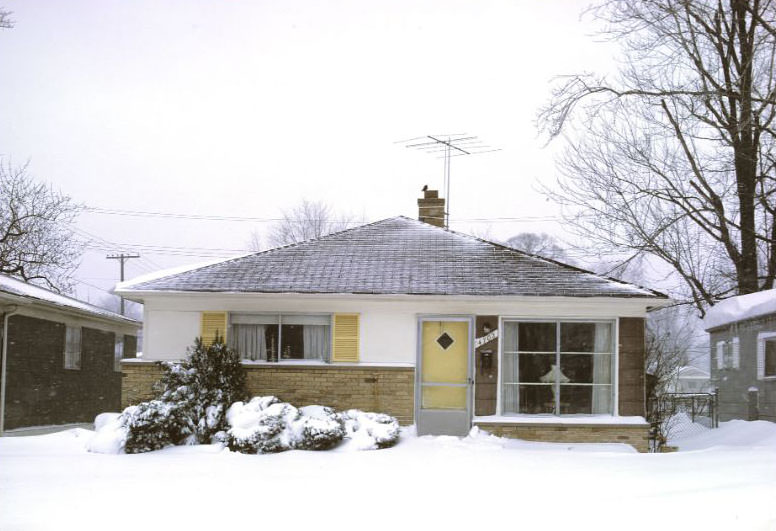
204, 385
193, 397
154, 425
321, 428
110, 435
369, 430
266, 425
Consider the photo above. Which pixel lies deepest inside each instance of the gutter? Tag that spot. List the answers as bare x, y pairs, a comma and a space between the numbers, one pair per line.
7, 312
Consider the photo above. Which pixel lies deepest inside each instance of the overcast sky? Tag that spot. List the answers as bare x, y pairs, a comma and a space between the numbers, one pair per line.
244, 108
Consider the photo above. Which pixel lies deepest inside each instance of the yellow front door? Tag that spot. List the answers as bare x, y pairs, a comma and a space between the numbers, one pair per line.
444, 365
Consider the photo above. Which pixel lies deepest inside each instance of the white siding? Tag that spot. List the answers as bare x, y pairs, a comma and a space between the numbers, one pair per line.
167, 334
388, 325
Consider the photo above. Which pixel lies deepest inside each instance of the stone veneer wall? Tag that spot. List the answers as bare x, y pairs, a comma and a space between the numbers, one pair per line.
381, 389
138, 380
634, 434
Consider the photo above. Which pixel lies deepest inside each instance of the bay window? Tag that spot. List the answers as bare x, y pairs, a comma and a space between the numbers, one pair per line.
557, 367
273, 337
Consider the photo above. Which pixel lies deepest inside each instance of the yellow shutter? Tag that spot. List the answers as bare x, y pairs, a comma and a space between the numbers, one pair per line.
345, 337
212, 323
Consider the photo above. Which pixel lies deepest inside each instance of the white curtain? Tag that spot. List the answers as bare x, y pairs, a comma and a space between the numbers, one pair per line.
316, 342
509, 374
249, 340
602, 369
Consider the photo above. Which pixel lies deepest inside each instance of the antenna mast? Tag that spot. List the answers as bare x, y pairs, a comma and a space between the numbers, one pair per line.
449, 146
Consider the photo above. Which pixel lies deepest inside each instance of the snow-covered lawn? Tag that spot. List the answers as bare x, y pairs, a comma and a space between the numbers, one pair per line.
723, 479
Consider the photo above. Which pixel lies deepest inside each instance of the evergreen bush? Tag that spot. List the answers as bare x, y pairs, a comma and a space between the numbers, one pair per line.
192, 401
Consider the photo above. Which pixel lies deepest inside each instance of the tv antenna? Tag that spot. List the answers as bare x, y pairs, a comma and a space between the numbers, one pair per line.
448, 146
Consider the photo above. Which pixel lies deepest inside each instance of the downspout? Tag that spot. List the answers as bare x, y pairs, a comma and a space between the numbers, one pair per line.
8, 312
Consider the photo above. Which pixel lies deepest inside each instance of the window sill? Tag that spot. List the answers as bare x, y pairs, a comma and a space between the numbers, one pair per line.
579, 420
323, 365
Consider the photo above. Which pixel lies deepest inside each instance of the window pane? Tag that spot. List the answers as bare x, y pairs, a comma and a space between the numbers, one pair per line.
272, 341
509, 368
586, 337
536, 368
536, 399
585, 399
311, 342
536, 337
770, 357
587, 368
510, 337
118, 352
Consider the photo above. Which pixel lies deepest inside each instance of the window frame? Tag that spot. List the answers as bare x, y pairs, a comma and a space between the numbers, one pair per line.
279, 324
118, 353
762, 339
76, 357
615, 340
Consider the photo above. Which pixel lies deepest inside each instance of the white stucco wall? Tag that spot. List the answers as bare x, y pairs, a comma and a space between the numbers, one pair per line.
388, 324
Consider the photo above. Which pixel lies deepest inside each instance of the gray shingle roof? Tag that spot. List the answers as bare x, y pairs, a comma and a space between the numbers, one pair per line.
394, 256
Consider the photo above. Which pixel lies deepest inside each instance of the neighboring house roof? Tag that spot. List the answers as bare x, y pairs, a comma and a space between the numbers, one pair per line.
393, 256
740, 308
688, 372
19, 291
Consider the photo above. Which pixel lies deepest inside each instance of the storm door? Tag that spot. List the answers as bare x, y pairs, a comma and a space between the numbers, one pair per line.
443, 392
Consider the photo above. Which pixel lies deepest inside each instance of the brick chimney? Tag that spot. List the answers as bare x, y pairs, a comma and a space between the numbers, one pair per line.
431, 208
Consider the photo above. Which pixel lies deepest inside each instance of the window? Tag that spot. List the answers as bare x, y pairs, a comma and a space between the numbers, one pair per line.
728, 354
557, 367
770, 358
72, 347
118, 352
766, 355
281, 337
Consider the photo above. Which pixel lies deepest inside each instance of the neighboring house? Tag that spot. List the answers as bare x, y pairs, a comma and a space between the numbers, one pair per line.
742, 333
689, 379
60, 357
437, 328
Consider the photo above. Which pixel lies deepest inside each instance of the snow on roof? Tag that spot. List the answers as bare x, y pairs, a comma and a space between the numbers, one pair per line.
740, 308
690, 372
162, 273
19, 288
393, 256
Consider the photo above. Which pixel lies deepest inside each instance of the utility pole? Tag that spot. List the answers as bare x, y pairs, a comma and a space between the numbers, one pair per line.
122, 258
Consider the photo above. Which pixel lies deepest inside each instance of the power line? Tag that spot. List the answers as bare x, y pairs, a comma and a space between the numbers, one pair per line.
174, 215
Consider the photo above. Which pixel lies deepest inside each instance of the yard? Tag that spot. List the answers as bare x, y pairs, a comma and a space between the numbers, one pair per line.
722, 479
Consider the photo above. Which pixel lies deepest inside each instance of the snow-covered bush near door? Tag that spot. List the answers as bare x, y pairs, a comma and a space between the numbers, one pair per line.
266, 425
369, 431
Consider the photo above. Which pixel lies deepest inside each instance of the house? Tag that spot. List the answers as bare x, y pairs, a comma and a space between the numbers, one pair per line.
432, 326
689, 379
742, 332
60, 357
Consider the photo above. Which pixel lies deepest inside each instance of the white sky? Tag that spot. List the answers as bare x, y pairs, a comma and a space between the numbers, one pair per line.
244, 108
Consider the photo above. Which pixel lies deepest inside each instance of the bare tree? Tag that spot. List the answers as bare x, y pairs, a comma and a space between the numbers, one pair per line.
5, 18
36, 240
308, 220
539, 243
254, 242
675, 157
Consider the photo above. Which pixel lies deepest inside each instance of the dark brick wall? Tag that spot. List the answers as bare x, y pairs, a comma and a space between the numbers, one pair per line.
485, 369
631, 367
41, 391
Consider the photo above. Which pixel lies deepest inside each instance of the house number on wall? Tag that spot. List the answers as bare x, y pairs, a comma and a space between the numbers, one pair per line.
485, 339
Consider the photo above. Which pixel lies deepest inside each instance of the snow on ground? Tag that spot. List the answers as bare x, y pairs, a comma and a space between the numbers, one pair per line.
726, 481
